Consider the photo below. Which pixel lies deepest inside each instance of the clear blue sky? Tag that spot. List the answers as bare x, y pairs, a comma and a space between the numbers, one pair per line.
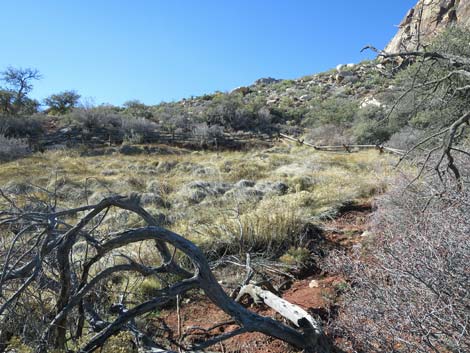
163, 50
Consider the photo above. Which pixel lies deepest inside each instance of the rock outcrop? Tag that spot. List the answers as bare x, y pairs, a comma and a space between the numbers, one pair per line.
426, 19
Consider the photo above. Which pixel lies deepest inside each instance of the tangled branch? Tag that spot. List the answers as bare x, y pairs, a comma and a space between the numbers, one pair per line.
75, 278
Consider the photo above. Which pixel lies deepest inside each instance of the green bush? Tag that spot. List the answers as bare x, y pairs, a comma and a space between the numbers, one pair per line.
371, 127
296, 256
333, 110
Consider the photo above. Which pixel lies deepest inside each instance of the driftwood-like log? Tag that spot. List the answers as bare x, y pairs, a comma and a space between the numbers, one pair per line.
312, 329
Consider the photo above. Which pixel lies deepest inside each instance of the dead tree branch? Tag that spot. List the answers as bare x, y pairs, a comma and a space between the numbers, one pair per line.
74, 287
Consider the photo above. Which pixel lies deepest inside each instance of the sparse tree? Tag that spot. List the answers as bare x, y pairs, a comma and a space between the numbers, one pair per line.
19, 82
62, 103
137, 109
436, 88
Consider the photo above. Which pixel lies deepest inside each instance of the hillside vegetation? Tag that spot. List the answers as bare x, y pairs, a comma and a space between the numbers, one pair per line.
271, 194
107, 228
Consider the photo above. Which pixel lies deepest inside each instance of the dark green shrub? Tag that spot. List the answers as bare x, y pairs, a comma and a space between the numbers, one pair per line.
21, 126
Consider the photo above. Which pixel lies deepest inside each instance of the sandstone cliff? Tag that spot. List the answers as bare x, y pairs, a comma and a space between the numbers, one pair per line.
426, 19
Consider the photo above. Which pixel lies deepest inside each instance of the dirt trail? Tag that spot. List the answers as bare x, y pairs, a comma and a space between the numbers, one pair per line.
315, 293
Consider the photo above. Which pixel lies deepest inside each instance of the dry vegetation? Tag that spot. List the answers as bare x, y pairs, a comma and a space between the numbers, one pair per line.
227, 202
403, 284
408, 287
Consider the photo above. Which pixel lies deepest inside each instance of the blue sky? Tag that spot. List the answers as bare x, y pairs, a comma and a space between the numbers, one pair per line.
156, 50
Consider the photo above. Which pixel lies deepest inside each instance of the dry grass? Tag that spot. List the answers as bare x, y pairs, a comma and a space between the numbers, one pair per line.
201, 195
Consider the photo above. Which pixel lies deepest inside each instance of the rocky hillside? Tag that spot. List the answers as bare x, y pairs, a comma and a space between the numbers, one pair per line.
355, 81
347, 104
428, 18
349, 100
310, 101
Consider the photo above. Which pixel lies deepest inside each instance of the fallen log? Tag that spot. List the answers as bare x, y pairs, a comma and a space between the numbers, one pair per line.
311, 328
344, 147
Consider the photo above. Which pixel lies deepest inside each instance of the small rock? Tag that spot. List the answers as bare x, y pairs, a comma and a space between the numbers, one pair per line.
314, 284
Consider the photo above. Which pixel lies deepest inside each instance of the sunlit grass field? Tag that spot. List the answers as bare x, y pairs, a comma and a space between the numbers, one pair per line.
224, 201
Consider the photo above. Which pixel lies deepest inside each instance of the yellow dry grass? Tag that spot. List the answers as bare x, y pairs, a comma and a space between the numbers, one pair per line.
316, 182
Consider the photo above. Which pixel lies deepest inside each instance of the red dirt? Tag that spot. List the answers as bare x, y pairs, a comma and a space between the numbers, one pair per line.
345, 231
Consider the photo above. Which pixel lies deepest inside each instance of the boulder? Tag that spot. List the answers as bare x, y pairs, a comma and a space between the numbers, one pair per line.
314, 283
371, 101
243, 90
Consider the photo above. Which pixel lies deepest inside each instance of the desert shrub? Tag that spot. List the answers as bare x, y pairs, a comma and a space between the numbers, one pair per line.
370, 126
268, 229
329, 134
409, 290
21, 126
149, 287
11, 148
334, 110
137, 130
15, 345
61, 103
370, 132
432, 106
109, 120
138, 125
405, 138
123, 342
302, 182
137, 109
133, 137
207, 134
233, 113
95, 118
296, 256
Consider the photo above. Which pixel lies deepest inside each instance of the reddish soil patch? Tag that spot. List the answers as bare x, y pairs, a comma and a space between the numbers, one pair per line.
346, 229
199, 315
316, 297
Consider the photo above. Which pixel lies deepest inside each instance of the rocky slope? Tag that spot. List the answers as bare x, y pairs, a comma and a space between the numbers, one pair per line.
426, 19
292, 100
335, 97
